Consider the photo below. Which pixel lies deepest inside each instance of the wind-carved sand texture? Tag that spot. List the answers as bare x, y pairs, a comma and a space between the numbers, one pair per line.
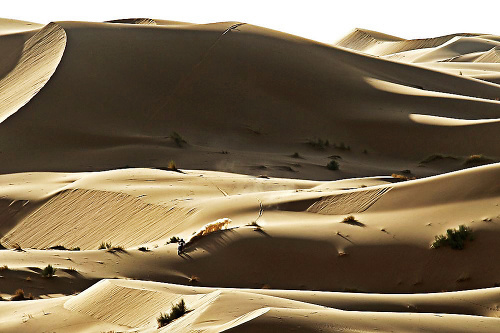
318, 187
40, 57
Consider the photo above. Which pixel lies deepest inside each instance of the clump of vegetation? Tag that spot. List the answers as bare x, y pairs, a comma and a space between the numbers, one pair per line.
402, 177
179, 141
4, 268
58, 247
17, 248
255, 225
117, 248
454, 238
341, 146
437, 157
48, 271
319, 143
474, 160
220, 224
172, 166
296, 155
177, 311
352, 221
104, 246
76, 248
173, 239
144, 249
19, 296
332, 165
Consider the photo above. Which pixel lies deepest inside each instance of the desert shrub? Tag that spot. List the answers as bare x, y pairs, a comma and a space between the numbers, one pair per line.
17, 247
177, 311
174, 239
477, 160
296, 155
172, 166
117, 248
402, 177
333, 165
318, 144
20, 296
220, 224
143, 249
104, 246
77, 248
454, 238
4, 268
48, 271
179, 141
352, 220
58, 247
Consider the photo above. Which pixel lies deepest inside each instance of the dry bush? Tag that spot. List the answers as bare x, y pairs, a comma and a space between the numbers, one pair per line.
177, 311
402, 177
352, 221
220, 224
19, 296
473, 160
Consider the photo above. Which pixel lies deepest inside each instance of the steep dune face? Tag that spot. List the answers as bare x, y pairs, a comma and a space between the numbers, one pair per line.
252, 84
40, 56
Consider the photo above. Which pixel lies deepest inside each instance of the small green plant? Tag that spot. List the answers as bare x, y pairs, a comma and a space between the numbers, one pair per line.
454, 238
104, 246
177, 311
332, 165
179, 141
48, 271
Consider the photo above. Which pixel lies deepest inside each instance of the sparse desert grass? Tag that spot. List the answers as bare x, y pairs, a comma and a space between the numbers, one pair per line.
402, 177
117, 248
179, 140
454, 238
352, 221
318, 143
342, 146
220, 224
177, 311
332, 165
104, 246
473, 160
20, 296
49, 271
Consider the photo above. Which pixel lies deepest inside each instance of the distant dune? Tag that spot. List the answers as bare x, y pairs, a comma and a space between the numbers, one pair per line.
323, 188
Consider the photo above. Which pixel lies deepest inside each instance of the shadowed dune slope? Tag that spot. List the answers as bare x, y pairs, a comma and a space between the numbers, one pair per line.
252, 84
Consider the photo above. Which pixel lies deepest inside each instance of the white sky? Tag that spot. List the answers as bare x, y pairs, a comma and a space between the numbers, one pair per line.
322, 20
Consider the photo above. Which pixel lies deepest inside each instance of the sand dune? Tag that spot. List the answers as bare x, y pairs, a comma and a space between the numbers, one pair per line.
336, 168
